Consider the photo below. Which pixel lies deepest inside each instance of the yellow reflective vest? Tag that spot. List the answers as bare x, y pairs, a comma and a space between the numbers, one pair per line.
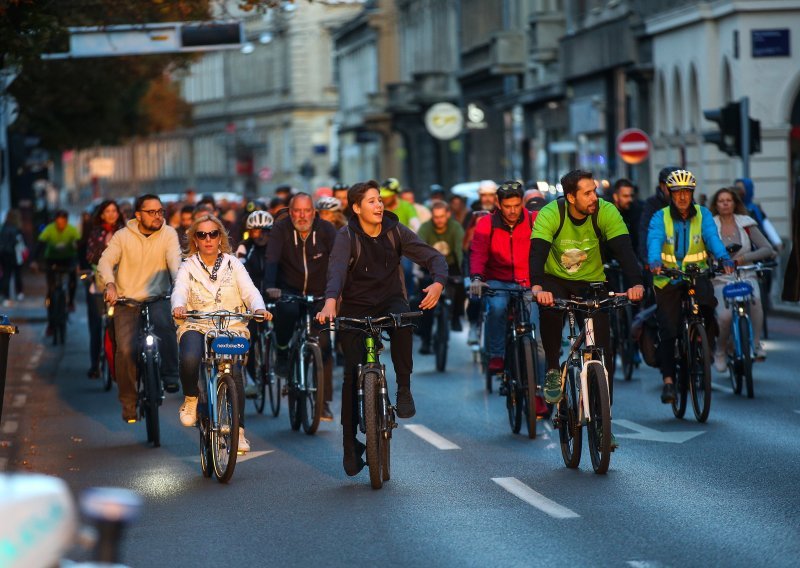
695, 253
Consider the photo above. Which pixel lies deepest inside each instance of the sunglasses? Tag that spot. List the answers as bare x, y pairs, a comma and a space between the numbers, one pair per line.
203, 235
510, 189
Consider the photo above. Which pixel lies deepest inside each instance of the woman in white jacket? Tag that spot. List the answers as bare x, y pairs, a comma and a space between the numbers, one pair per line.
210, 278
736, 227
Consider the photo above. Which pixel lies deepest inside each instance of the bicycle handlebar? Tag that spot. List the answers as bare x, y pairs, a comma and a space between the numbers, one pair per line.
758, 266
135, 303
613, 301
198, 315
278, 295
690, 273
380, 322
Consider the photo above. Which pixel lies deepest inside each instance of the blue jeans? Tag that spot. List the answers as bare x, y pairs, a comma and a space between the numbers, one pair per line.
496, 310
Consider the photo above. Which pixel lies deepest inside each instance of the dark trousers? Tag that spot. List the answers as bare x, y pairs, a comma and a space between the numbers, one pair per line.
355, 351
552, 322
455, 292
191, 357
68, 268
670, 316
126, 336
95, 306
286, 316
11, 269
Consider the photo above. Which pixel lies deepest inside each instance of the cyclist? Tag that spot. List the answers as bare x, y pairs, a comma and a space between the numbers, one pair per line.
738, 229
298, 252
655, 202
210, 279
487, 202
565, 259
330, 209
446, 236
499, 260
141, 261
680, 234
107, 220
407, 215
59, 241
623, 196
340, 193
364, 271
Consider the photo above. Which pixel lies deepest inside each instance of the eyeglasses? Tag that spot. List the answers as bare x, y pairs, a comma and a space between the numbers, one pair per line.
203, 235
153, 212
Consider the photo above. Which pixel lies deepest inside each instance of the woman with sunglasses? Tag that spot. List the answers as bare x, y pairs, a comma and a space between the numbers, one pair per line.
209, 279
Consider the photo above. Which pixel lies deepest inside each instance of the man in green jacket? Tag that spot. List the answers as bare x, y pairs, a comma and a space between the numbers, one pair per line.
59, 241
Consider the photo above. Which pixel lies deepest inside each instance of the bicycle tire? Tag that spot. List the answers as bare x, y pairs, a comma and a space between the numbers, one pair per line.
569, 429
273, 379
259, 371
293, 393
206, 459
599, 425
313, 398
105, 370
527, 358
734, 362
614, 345
700, 372
628, 352
373, 431
152, 399
681, 378
225, 434
441, 338
747, 356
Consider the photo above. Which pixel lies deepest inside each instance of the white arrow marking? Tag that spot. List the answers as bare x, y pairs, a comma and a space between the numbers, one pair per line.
519, 489
645, 433
431, 437
252, 455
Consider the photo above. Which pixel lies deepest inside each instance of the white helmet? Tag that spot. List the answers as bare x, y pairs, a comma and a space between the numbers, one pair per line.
329, 204
259, 220
487, 187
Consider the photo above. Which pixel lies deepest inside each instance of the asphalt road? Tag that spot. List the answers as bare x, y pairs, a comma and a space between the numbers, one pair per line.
678, 493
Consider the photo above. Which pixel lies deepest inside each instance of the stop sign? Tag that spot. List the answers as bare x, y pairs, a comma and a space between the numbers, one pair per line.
633, 146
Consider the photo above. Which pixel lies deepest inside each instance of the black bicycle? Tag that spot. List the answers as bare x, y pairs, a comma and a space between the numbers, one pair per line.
621, 320
692, 349
150, 391
57, 314
267, 381
375, 411
519, 381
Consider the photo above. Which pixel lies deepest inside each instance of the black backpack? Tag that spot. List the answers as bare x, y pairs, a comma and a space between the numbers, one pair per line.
355, 245
562, 212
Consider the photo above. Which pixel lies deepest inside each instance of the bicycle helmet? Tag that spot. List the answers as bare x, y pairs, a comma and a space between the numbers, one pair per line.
259, 220
681, 179
339, 186
487, 187
329, 204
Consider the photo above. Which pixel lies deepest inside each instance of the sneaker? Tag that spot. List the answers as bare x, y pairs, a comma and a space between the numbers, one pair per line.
352, 460
720, 362
541, 406
244, 443
552, 386
455, 325
188, 411
327, 415
405, 403
614, 443
250, 390
496, 364
668, 393
761, 353
472, 337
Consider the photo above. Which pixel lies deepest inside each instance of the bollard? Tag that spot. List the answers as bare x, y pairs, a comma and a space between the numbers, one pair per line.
6, 331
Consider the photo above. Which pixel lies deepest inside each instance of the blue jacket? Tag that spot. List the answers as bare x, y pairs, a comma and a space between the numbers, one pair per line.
656, 236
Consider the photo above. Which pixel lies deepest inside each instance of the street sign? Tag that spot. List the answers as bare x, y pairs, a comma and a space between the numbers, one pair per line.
633, 146
265, 173
101, 167
444, 121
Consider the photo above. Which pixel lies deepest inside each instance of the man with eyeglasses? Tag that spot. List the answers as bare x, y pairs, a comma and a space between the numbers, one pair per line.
499, 260
141, 262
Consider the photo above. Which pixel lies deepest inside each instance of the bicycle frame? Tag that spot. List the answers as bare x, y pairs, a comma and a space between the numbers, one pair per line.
223, 363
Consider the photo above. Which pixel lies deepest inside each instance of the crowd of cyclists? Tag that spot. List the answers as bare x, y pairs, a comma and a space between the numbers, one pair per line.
370, 249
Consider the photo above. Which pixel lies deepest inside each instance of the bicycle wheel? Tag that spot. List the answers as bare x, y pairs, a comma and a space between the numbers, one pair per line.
628, 346
225, 433
372, 422
293, 394
386, 440
152, 398
681, 379
260, 370
599, 426
206, 459
699, 372
441, 338
614, 345
745, 342
271, 378
58, 315
313, 398
102, 364
569, 428
527, 364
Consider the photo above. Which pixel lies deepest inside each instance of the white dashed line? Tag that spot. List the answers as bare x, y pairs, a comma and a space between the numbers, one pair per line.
645, 564
431, 437
720, 388
19, 400
519, 489
10, 427
252, 455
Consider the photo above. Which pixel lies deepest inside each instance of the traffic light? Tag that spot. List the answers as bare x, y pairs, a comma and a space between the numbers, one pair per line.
729, 136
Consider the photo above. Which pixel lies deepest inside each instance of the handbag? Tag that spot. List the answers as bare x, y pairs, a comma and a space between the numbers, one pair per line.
21, 250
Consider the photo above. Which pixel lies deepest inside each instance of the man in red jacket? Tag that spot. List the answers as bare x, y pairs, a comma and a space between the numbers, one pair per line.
499, 260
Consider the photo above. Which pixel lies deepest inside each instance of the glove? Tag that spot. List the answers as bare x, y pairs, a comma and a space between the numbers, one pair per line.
476, 287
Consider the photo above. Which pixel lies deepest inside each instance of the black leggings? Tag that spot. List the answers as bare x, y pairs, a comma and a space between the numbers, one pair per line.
354, 352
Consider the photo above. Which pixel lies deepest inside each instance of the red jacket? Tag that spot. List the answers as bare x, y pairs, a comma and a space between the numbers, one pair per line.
505, 258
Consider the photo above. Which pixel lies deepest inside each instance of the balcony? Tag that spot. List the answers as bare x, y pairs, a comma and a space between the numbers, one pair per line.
507, 53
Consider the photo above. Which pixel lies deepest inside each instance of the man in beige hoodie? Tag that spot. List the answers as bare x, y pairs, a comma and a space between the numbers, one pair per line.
141, 262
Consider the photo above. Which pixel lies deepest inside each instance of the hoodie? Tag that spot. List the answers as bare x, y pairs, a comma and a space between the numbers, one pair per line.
141, 266
755, 211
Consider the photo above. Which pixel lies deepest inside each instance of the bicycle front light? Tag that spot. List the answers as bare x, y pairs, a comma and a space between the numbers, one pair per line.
150, 340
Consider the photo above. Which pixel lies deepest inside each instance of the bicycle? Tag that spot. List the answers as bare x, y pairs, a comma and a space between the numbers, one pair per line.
57, 314
219, 418
520, 370
105, 356
622, 343
150, 391
692, 349
267, 381
586, 399
305, 385
376, 416
738, 296
441, 319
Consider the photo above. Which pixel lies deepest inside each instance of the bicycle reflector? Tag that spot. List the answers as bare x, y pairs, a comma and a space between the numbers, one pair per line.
230, 345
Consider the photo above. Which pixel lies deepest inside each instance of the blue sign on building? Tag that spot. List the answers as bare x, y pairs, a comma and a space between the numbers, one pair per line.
770, 43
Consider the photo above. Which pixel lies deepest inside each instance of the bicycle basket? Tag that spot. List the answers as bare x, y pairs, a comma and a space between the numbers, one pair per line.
737, 290
224, 345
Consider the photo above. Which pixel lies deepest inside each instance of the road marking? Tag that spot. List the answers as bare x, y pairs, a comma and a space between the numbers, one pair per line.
26, 378
720, 388
10, 427
797, 411
19, 400
645, 564
431, 437
35, 358
519, 489
651, 435
548, 426
252, 455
